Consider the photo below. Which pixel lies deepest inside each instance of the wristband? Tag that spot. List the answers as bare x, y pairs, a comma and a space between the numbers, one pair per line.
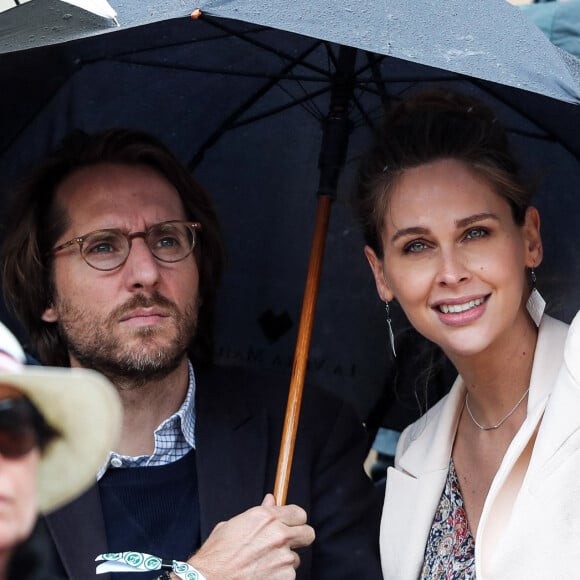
140, 562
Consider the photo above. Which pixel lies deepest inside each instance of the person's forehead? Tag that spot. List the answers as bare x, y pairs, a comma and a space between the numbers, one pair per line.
425, 184
107, 195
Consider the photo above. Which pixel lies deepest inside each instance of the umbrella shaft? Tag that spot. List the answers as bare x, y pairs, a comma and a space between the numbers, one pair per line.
302, 348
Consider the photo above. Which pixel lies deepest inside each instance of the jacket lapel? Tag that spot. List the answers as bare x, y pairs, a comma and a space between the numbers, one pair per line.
79, 528
410, 503
231, 450
551, 420
560, 421
415, 487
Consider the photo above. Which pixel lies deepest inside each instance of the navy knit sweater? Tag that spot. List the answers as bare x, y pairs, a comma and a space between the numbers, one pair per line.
153, 510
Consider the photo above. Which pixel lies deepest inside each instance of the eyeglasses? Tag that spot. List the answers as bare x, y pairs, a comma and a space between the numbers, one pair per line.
105, 250
20, 427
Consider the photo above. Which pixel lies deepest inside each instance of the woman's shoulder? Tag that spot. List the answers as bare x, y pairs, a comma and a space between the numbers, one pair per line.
572, 348
553, 325
549, 353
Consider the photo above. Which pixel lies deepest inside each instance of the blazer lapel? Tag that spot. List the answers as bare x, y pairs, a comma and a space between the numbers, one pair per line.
551, 420
560, 421
415, 487
410, 505
231, 451
560, 430
79, 528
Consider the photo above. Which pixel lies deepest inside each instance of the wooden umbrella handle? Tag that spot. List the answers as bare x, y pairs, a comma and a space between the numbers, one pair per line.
302, 348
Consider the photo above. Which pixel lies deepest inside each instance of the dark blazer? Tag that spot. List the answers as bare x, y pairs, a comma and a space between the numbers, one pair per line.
239, 417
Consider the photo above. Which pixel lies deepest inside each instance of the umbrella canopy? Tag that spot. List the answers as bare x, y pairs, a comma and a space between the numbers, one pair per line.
249, 96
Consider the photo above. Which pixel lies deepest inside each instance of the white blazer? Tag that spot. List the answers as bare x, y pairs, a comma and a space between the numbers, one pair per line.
530, 523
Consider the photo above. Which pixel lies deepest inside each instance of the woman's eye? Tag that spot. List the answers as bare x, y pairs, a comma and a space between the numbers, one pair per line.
475, 233
415, 247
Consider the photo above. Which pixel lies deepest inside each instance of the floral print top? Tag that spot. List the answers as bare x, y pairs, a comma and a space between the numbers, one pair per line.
450, 550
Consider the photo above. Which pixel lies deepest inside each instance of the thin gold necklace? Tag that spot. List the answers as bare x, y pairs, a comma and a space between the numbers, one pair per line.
497, 425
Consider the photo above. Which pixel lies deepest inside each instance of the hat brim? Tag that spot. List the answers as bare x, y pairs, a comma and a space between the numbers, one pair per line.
84, 408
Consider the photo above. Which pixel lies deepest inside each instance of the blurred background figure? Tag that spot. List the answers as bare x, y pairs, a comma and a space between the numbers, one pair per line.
57, 427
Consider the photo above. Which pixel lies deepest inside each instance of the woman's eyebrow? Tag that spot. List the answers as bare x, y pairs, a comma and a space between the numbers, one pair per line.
464, 222
413, 231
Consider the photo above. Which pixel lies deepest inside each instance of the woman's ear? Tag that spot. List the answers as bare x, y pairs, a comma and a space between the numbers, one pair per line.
383, 288
533, 239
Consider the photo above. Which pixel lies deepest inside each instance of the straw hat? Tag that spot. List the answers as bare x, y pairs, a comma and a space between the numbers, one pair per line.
81, 405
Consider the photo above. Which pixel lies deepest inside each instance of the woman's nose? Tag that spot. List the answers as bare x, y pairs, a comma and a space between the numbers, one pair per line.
453, 268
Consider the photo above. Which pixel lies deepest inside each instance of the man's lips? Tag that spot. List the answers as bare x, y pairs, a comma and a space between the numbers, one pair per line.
144, 316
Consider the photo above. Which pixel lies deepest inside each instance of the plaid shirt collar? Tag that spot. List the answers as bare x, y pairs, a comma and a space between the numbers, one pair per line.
174, 437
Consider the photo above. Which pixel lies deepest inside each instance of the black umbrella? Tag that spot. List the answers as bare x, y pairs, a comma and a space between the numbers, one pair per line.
262, 114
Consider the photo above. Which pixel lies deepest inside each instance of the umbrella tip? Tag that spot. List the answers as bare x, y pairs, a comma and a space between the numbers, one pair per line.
196, 14
116, 21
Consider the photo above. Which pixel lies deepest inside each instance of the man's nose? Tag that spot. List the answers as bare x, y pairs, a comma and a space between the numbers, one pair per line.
141, 269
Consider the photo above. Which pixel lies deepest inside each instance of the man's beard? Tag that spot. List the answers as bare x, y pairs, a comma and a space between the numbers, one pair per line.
94, 344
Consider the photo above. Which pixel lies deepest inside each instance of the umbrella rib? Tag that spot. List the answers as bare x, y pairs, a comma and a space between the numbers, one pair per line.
273, 50
241, 110
365, 116
373, 65
376, 75
298, 79
279, 109
547, 136
170, 45
218, 71
362, 83
306, 101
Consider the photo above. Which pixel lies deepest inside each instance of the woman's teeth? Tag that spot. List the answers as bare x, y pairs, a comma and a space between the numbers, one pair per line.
455, 308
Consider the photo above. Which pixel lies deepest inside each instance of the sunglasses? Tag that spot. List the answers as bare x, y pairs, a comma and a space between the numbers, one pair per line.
22, 428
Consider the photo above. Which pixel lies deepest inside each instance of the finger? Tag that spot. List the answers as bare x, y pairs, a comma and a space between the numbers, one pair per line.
291, 515
269, 500
302, 536
296, 563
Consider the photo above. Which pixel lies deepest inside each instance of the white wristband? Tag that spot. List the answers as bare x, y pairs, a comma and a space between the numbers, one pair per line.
140, 562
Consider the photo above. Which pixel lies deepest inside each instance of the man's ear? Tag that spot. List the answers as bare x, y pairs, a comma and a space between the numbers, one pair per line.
383, 288
533, 239
49, 315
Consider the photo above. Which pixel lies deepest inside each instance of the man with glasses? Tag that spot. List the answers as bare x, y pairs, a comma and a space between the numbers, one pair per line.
111, 261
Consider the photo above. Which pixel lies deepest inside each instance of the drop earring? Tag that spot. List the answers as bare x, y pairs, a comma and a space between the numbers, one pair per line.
390, 325
536, 303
